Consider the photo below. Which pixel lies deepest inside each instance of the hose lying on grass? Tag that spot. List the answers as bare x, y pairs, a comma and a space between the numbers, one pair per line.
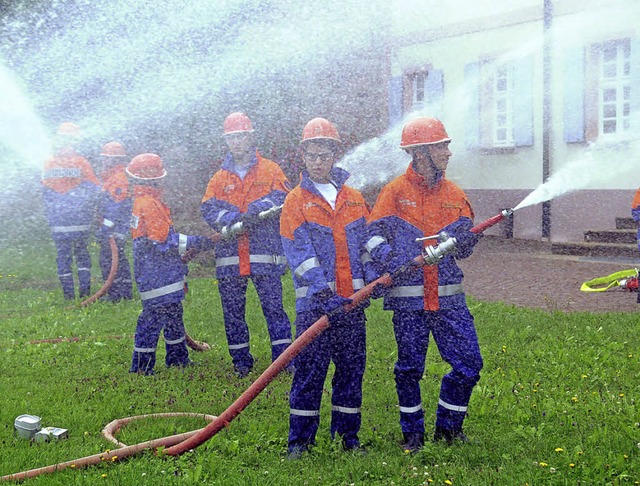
191, 440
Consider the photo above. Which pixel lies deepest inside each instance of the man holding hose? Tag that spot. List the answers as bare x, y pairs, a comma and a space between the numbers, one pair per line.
422, 202
245, 186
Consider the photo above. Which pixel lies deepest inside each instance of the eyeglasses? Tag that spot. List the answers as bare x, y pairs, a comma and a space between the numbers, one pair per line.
324, 156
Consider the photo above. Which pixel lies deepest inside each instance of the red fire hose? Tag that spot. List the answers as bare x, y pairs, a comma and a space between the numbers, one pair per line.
198, 437
292, 351
112, 274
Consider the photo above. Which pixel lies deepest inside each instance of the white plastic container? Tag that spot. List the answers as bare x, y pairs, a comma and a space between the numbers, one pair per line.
27, 426
48, 433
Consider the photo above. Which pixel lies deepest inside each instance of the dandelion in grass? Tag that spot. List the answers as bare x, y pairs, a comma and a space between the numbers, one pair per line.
572, 465
448, 481
104, 475
574, 399
559, 449
543, 464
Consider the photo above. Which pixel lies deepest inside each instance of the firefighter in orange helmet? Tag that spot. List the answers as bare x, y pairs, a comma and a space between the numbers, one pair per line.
114, 211
323, 228
70, 190
430, 300
159, 270
635, 214
247, 185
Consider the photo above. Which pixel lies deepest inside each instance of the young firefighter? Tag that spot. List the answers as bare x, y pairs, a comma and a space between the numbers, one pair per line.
158, 267
419, 203
70, 189
635, 213
246, 185
115, 212
323, 226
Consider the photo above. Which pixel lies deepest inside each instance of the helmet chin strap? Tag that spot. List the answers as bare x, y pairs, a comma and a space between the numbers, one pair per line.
437, 173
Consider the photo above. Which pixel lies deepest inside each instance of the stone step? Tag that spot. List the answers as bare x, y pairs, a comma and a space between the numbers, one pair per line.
625, 250
626, 223
627, 236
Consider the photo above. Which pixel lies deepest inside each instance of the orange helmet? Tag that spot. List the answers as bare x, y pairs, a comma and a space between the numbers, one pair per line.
237, 123
69, 129
113, 149
146, 167
423, 131
320, 129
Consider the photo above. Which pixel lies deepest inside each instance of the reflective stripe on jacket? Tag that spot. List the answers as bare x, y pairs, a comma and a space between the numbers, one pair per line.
324, 247
257, 251
407, 209
157, 249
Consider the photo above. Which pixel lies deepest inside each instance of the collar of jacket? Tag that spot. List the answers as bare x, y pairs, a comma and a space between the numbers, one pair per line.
420, 180
155, 192
230, 164
338, 177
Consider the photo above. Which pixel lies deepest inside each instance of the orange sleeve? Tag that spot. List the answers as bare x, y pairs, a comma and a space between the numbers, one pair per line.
291, 216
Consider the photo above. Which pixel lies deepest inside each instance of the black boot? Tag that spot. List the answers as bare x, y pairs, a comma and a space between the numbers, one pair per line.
449, 436
413, 441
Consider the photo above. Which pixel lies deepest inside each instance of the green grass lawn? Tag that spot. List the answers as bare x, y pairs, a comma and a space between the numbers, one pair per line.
557, 402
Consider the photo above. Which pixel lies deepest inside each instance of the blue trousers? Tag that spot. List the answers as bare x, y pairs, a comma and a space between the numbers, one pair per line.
67, 248
121, 288
344, 343
233, 294
454, 333
150, 322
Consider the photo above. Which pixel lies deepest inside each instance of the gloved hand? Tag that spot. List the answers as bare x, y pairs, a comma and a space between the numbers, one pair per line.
467, 239
104, 232
379, 290
398, 263
257, 207
249, 220
335, 304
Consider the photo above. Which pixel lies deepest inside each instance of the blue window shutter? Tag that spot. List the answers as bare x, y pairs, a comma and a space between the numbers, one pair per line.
434, 89
573, 93
395, 100
523, 102
635, 84
472, 110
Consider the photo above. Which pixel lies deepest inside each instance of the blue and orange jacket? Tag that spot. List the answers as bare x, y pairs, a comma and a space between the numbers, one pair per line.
227, 198
406, 209
115, 203
635, 211
325, 246
69, 189
158, 248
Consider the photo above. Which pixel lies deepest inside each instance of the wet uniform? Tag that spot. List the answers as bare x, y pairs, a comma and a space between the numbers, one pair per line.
160, 277
325, 251
428, 299
256, 253
70, 189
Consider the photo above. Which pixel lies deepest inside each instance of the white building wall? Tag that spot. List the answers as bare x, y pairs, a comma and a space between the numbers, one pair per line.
464, 32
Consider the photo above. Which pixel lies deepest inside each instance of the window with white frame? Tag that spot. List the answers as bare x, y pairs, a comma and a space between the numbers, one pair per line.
502, 106
498, 96
614, 103
418, 89
601, 89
